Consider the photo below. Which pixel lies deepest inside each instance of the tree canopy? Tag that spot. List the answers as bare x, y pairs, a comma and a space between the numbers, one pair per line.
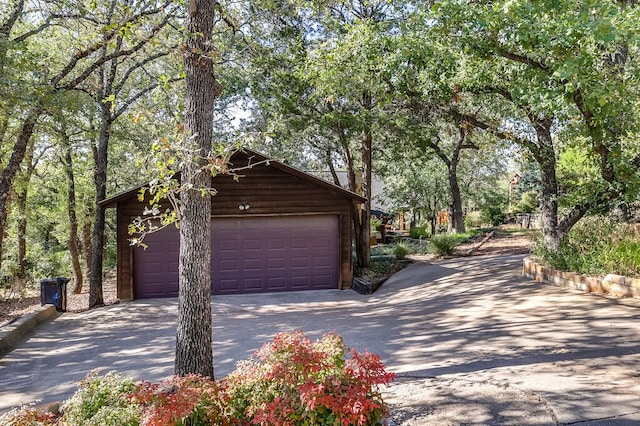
445, 100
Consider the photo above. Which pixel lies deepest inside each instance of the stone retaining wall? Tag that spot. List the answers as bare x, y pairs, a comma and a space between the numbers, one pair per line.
11, 334
615, 285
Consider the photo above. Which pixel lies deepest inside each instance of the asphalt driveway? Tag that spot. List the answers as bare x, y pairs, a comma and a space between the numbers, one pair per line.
472, 322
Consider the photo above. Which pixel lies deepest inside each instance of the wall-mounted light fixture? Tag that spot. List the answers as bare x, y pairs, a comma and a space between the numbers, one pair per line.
244, 206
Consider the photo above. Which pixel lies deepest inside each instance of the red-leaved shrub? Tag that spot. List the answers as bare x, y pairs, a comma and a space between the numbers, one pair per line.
188, 400
290, 381
293, 381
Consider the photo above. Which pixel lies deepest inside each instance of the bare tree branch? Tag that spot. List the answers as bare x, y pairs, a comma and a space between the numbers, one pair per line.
524, 60
493, 129
126, 104
7, 25
104, 59
117, 87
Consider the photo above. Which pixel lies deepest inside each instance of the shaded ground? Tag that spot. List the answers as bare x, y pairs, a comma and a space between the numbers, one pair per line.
21, 304
450, 401
470, 339
16, 307
504, 241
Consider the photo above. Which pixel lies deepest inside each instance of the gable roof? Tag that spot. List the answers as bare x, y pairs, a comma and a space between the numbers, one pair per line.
257, 158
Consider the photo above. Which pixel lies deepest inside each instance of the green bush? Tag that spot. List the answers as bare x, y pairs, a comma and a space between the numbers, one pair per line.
381, 266
492, 205
596, 246
418, 231
103, 400
444, 244
473, 220
493, 215
401, 250
528, 203
413, 247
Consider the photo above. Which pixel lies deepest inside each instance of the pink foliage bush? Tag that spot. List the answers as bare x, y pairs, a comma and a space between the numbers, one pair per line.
293, 381
27, 415
181, 401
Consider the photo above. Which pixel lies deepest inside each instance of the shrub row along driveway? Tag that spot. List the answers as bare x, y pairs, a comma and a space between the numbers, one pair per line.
467, 322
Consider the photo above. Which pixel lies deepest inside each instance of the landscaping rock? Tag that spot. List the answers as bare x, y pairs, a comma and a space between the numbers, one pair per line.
362, 286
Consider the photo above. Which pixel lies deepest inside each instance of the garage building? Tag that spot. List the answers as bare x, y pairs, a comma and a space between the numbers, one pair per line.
276, 228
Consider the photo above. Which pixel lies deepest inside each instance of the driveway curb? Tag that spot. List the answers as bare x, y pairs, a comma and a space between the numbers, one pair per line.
12, 333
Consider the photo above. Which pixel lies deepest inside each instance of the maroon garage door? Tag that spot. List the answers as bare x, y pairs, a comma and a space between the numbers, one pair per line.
249, 255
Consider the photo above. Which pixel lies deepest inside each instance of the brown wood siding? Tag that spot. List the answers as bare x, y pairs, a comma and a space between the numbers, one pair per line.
124, 256
268, 191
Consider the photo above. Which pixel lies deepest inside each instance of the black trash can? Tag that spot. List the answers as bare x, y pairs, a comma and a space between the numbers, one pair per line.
53, 291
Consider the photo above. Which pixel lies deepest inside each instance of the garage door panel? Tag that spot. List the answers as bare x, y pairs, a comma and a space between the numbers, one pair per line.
156, 285
276, 263
152, 267
249, 255
252, 244
229, 286
276, 283
299, 243
320, 281
321, 243
321, 262
276, 244
228, 265
252, 264
173, 286
228, 245
252, 285
299, 262
300, 282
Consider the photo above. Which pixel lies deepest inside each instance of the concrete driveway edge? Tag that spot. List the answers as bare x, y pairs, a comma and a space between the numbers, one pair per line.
12, 333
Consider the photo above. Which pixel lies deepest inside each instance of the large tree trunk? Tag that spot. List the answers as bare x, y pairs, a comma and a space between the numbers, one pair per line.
8, 175
87, 229
363, 235
361, 240
545, 156
456, 217
456, 224
21, 200
87, 249
4, 125
194, 352
22, 193
72, 242
364, 260
100, 182
549, 207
